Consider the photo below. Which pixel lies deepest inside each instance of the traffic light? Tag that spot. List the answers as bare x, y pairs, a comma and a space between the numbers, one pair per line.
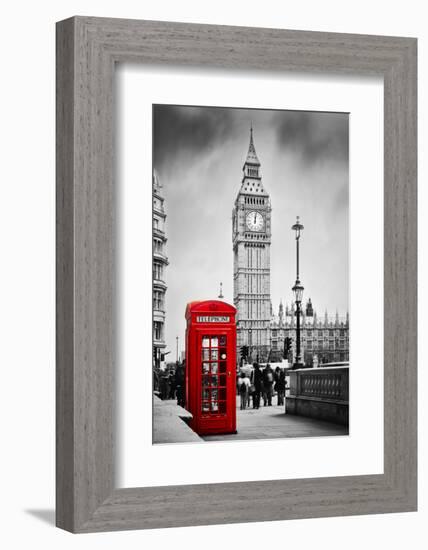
244, 351
288, 342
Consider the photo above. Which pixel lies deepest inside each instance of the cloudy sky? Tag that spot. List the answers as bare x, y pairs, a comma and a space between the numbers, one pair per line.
198, 153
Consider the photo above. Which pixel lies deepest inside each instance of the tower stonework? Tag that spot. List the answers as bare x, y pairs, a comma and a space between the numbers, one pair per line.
251, 237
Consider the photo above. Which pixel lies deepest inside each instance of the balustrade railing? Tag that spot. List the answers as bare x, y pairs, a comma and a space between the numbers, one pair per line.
325, 383
321, 393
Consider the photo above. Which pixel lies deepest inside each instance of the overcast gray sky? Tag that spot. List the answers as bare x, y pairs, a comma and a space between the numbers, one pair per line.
198, 153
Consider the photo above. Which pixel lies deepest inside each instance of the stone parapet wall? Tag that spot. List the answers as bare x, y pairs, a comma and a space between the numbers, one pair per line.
321, 393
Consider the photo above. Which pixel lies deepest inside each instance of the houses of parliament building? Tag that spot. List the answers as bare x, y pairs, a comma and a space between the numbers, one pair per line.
323, 339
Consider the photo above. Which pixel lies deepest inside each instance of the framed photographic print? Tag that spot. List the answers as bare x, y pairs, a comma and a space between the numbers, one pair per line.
236, 274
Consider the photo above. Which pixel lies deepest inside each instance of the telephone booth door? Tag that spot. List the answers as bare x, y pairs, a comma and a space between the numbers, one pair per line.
211, 367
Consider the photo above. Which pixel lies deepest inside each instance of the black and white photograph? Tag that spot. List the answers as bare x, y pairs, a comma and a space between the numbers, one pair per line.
250, 274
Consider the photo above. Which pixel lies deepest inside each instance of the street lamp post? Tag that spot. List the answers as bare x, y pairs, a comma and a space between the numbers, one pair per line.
250, 344
298, 294
176, 338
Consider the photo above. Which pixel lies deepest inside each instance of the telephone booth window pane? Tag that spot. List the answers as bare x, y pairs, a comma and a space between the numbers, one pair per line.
212, 392
205, 368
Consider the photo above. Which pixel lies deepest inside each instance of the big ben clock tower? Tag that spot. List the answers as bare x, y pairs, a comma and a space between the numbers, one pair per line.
251, 230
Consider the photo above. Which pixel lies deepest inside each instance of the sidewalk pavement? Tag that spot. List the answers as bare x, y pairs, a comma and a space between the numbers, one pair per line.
264, 423
273, 423
168, 426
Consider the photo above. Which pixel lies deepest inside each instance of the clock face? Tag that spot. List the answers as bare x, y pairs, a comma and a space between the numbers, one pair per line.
255, 221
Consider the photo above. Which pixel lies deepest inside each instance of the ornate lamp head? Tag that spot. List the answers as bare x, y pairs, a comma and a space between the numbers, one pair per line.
298, 228
298, 291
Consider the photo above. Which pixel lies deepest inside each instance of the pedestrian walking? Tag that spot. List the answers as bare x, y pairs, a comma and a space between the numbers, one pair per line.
257, 380
268, 385
179, 385
164, 386
262, 391
250, 393
171, 385
244, 385
279, 386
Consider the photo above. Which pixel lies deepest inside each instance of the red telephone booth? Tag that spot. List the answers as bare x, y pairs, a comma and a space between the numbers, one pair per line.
211, 366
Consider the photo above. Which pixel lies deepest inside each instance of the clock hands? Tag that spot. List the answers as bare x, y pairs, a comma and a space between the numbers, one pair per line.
254, 221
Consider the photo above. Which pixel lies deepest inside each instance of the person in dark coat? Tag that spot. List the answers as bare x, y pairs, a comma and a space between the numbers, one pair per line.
171, 380
280, 384
179, 385
268, 379
164, 385
262, 391
256, 379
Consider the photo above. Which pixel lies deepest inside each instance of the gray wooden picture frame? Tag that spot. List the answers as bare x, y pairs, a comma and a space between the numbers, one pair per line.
87, 50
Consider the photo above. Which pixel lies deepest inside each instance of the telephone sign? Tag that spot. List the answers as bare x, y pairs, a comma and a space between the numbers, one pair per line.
211, 366
212, 319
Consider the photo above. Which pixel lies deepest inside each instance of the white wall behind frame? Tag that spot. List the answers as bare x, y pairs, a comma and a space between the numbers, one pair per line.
27, 277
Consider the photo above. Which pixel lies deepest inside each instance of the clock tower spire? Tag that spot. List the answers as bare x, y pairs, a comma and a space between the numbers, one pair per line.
251, 237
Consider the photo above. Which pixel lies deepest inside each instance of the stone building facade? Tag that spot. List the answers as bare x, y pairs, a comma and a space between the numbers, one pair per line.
160, 261
251, 238
324, 339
